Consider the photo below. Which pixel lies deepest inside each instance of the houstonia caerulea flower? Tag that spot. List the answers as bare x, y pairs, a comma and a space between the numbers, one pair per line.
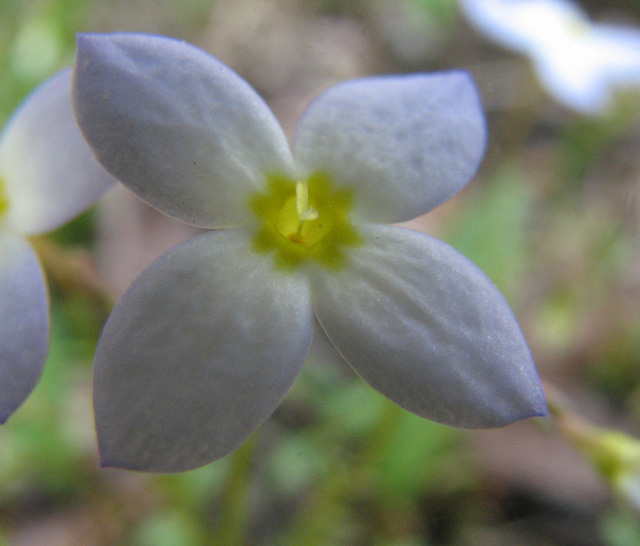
48, 175
581, 63
207, 341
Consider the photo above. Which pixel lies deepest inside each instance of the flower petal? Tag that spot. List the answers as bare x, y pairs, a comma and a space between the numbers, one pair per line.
571, 77
323, 352
426, 328
618, 51
405, 143
584, 71
198, 352
176, 126
49, 172
24, 322
524, 25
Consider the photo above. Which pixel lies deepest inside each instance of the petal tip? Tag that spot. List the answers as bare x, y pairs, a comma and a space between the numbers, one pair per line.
109, 459
157, 465
84, 40
542, 410
112, 464
533, 413
531, 407
105, 464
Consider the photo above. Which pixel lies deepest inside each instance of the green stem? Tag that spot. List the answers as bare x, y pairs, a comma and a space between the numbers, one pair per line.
324, 510
233, 522
72, 271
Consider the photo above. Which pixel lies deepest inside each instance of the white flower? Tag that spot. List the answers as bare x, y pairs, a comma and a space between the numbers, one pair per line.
620, 465
614, 454
47, 176
207, 341
582, 64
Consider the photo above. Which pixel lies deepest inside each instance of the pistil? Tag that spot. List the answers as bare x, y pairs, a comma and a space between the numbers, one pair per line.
304, 211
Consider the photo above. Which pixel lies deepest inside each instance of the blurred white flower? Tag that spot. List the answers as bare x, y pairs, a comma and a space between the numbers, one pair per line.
622, 468
207, 341
48, 175
582, 64
615, 455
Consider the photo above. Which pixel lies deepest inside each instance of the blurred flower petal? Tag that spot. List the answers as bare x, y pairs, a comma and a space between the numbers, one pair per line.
581, 74
582, 64
198, 353
405, 143
427, 329
50, 174
523, 24
24, 322
176, 126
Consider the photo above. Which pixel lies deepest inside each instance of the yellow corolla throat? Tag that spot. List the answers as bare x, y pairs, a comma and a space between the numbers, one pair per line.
304, 220
4, 202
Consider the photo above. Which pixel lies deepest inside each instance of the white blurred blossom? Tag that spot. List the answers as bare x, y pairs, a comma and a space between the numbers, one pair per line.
581, 63
614, 454
48, 175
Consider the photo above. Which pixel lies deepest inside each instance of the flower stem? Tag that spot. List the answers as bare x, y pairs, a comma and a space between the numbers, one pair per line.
233, 522
325, 510
72, 270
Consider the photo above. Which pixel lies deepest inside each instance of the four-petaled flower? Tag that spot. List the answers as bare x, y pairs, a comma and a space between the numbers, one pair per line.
48, 175
581, 63
207, 341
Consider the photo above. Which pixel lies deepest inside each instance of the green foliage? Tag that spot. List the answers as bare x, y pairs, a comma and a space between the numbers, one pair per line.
36, 39
168, 528
494, 228
620, 528
442, 11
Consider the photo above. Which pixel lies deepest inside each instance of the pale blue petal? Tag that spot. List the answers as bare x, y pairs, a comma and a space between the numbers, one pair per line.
584, 72
322, 351
524, 25
619, 52
198, 352
571, 77
24, 322
427, 328
50, 174
176, 126
405, 144
580, 63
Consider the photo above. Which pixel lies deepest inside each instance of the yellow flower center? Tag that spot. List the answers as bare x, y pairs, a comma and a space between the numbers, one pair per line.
303, 220
4, 202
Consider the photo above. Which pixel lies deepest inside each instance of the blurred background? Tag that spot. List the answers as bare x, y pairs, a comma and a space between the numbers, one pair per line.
553, 217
